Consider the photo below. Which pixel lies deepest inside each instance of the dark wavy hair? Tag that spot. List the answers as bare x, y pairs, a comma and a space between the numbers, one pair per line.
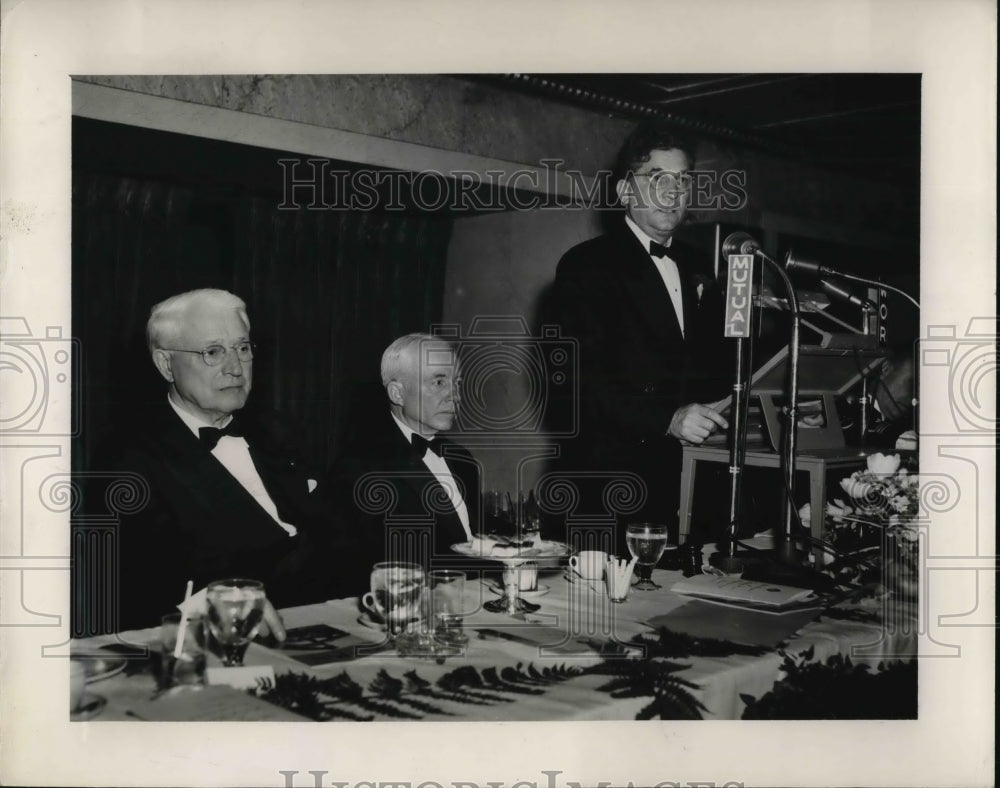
648, 136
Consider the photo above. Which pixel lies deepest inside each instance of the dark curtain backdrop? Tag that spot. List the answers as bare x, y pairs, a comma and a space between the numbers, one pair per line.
326, 292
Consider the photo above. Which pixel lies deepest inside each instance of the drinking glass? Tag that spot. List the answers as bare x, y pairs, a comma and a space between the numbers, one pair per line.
646, 542
188, 668
235, 613
525, 575
447, 599
530, 518
498, 504
617, 577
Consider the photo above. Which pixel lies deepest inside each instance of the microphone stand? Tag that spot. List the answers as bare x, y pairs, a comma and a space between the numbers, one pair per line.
867, 327
742, 243
787, 550
728, 562
738, 250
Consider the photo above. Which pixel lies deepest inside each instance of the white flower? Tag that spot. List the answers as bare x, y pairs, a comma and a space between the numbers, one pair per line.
805, 513
855, 486
836, 509
882, 465
826, 558
900, 504
891, 488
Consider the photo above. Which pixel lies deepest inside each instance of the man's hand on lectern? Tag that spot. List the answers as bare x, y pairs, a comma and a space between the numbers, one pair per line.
693, 423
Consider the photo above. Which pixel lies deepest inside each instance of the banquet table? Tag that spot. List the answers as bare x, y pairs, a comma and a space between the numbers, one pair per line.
578, 657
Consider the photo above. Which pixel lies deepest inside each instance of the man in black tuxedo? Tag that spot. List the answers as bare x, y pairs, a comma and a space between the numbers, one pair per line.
649, 328
218, 493
409, 493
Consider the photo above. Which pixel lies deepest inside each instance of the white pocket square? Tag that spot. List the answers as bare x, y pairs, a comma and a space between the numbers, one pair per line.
311, 483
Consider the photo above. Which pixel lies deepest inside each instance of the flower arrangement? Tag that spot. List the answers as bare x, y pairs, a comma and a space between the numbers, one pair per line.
879, 512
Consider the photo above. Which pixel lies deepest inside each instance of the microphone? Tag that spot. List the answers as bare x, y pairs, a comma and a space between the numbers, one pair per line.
739, 243
793, 263
844, 295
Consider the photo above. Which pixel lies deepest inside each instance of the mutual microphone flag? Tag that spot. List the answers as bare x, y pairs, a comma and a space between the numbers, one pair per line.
738, 289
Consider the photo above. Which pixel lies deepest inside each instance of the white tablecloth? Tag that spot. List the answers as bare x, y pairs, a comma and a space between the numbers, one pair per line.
572, 617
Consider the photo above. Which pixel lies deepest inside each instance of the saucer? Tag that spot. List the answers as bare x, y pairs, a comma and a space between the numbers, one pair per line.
575, 579
372, 623
100, 668
540, 590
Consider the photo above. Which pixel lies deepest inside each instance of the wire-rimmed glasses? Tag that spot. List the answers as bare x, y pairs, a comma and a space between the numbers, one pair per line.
214, 355
669, 189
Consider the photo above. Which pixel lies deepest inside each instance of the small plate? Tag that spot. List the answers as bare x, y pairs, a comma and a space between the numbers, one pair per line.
541, 590
543, 550
100, 668
372, 623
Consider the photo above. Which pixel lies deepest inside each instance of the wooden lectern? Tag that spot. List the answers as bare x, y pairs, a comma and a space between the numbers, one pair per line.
826, 371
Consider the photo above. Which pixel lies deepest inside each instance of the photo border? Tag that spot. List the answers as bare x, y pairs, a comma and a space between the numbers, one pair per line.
951, 43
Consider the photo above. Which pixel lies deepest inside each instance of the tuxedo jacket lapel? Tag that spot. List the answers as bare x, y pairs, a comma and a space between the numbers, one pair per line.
208, 482
448, 528
645, 289
689, 298
422, 487
465, 469
282, 480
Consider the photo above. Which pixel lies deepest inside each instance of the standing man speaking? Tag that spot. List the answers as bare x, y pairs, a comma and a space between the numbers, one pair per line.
651, 344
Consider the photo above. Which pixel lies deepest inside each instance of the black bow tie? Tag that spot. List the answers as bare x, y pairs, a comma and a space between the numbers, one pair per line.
657, 249
420, 445
211, 436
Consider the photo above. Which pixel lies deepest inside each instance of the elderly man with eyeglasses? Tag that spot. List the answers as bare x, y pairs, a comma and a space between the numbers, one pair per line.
227, 496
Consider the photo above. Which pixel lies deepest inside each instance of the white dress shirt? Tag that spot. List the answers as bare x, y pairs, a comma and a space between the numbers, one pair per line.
668, 271
442, 473
234, 454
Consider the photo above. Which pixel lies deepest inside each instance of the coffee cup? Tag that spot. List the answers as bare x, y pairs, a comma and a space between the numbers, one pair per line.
589, 564
396, 596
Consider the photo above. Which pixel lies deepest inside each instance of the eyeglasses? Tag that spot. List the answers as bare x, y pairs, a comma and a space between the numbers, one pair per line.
665, 184
214, 355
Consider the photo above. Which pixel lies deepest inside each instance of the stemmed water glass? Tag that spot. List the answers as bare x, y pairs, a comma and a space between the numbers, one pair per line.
646, 542
511, 601
235, 613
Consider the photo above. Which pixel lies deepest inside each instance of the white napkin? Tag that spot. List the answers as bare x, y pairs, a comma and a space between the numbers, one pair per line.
196, 604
